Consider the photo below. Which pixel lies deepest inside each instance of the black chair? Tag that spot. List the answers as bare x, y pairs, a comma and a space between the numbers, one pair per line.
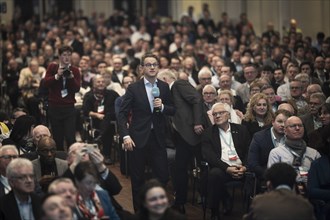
247, 187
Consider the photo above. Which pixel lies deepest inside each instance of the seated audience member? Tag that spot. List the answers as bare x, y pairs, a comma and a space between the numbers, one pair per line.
16, 113
284, 90
225, 83
264, 141
278, 78
311, 120
79, 152
304, 79
54, 207
21, 134
39, 132
66, 189
204, 78
29, 82
154, 204
236, 116
20, 202
259, 114
318, 185
250, 74
296, 93
209, 95
92, 200
47, 167
311, 89
227, 161
288, 107
314, 138
294, 152
272, 98
7, 154
99, 104
280, 202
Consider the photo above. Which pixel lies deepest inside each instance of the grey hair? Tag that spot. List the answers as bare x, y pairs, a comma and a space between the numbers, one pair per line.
16, 164
211, 87
225, 106
53, 185
8, 147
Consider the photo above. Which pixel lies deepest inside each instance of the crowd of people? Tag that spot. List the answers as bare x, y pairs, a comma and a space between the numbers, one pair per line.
216, 93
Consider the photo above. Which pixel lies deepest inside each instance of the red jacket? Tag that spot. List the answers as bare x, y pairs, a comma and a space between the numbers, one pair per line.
56, 86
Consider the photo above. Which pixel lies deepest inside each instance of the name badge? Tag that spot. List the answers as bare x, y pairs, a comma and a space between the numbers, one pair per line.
64, 93
232, 155
100, 109
303, 171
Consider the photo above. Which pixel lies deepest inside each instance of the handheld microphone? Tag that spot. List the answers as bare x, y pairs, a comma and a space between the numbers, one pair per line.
156, 93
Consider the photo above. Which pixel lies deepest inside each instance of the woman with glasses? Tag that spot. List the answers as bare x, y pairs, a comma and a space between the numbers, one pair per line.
92, 201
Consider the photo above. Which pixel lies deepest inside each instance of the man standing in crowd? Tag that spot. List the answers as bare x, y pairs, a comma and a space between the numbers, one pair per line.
148, 100
63, 81
187, 123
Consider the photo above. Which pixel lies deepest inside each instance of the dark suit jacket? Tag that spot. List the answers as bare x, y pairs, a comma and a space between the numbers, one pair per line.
136, 101
9, 209
188, 113
78, 47
280, 204
114, 76
308, 122
260, 147
211, 145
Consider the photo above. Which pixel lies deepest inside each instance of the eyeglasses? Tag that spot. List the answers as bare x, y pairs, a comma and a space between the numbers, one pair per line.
7, 157
208, 93
24, 177
208, 78
149, 65
296, 125
216, 114
295, 88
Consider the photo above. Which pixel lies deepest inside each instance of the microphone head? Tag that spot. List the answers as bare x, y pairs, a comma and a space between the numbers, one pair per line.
155, 92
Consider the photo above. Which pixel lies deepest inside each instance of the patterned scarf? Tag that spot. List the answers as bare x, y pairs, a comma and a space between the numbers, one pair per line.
90, 212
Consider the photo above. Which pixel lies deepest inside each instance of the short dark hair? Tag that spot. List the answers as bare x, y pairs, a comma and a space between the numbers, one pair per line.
84, 168
283, 112
281, 174
65, 49
147, 55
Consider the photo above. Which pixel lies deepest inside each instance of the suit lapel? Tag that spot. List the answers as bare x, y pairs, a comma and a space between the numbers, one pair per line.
235, 135
143, 94
216, 139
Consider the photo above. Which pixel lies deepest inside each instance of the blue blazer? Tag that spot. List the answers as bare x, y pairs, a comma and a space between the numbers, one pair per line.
136, 102
108, 208
260, 147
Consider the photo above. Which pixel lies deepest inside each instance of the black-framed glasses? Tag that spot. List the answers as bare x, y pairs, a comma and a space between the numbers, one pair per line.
149, 65
7, 157
296, 125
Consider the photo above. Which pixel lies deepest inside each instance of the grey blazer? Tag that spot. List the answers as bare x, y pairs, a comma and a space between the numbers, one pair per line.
61, 165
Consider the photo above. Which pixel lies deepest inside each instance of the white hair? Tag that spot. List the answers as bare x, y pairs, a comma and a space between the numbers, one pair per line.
15, 164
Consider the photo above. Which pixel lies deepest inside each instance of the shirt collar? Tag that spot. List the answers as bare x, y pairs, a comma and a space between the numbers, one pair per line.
146, 82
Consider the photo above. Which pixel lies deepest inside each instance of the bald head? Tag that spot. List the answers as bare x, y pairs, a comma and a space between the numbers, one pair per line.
294, 128
38, 132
